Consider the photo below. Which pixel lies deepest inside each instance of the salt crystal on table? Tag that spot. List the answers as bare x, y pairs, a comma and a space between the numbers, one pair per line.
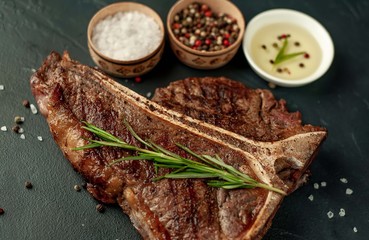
4, 128
148, 94
316, 185
344, 180
39, 138
323, 184
22, 136
330, 214
2, 87
33, 109
342, 212
355, 229
311, 197
349, 191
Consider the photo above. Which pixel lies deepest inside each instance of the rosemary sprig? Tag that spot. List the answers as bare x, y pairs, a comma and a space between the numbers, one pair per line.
281, 56
221, 175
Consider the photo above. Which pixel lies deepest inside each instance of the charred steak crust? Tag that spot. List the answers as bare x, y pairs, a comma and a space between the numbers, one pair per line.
252, 113
67, 92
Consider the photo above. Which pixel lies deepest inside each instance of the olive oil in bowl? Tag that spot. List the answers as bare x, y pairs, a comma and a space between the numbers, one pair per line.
285, 50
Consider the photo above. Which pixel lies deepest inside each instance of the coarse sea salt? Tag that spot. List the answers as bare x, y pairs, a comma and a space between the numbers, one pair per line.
330, 214
349, 191
127, 35
22, 136
311, 198
33, 108
355, 229
4, 128
343, 180
316, 185
39, 138
342, 212
2, 87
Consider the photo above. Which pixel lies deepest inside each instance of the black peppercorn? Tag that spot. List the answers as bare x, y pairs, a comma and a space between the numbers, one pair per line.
19, 119
28, 185
100, 208
77, 188
26, 103
16, 129
198, 20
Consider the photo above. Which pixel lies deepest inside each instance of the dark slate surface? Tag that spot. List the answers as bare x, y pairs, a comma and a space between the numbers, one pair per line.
30, 29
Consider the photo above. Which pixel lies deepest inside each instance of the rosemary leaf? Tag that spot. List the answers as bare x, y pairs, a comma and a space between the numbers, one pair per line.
221, 174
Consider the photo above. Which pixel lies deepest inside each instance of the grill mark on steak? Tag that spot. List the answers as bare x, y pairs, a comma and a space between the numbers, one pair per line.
253, 114
84, 93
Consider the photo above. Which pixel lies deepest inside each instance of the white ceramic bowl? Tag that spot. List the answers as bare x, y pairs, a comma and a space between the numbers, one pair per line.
303, 21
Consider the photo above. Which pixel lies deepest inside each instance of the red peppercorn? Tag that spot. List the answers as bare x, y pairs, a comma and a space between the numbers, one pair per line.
198, 43
226, 35
176, 25
208, 13
138, 79
207, 41
306, 55
187, 35
225, 42
204, 7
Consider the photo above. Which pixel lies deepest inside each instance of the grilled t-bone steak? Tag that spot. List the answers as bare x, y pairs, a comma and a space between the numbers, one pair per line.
252, 113
68, 92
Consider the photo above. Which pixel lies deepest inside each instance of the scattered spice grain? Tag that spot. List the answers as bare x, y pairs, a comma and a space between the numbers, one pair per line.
77, 188
343, 180
18, 120
100, 208
311, 197
349, 191
342, 212
4, 128
2, 211
16, 129
33, 108
28, 185
26, 103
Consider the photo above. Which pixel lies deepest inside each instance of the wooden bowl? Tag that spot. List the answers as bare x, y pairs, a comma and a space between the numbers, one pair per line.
120, 68
205, 59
